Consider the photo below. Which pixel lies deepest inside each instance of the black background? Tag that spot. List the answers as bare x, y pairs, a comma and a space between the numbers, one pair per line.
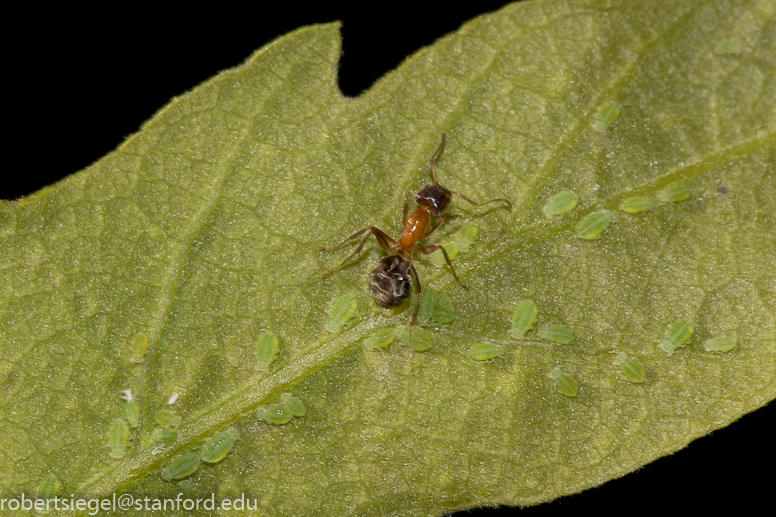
78, 83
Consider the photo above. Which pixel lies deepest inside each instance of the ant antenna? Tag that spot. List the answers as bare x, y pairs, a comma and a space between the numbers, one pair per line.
434, 156
480, 204
436, 179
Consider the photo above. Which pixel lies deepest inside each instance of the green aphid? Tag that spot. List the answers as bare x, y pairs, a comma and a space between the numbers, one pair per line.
138, 347
728, 47
438, 258
131, 409
421, 340
635, 205
593, 225
561, 203
132, 412
443, 315
379, 339
293, 404
607, 115
187, 489
677, 335
427, 303
720, 344
274, 414
466, 236
524, 318
343, 309
267, 347
182, 466
557, 334
565, 383
485, 351
167, 419
631, 369
49, 488
674, 193
118, 438
164, 435
216, 449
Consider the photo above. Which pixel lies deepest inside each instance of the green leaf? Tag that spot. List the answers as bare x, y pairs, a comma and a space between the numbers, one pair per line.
202, 231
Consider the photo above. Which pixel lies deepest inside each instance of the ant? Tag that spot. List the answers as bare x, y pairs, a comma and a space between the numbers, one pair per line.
389, 282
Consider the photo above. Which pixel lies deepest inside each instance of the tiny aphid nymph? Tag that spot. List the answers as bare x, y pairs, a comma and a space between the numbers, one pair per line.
728, 46
182, 466
390, 282
217, 447
421, 340
630, 369
342, 310
466, 236
49, 487
138, 348
164, 435
274, 414
131, 409
293, 404
167, 419
564, 382
677, 335
427, 306
593, 225
524, 317
267, 346
557, 334
379, 339
118, 438
561, 203
187, 489
607, 115
635, 205
720, 344
443, 315
485, 351
674, 193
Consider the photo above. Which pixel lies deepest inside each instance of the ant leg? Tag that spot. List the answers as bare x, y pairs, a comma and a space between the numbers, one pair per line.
480, 204
437, 225
338, 246
419, 289
415, 279
382, 239
372, 230
431, 249
404, 212
434, 156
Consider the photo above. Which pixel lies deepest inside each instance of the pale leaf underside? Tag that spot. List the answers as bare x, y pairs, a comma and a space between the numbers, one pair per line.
202, 232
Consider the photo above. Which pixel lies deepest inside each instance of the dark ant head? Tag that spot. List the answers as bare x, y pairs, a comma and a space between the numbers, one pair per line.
434, 197
390, 281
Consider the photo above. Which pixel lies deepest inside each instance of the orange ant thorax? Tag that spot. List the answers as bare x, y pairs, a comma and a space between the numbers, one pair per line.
414, 229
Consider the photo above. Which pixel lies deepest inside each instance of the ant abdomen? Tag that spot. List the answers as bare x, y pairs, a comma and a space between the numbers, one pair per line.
390, 282
435, 197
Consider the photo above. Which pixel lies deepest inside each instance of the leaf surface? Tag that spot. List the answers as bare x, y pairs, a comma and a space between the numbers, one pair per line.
202, 232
